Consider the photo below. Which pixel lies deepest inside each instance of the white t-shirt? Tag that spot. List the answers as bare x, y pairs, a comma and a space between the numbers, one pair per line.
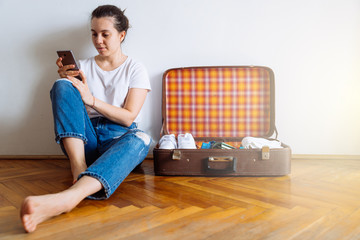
112, 86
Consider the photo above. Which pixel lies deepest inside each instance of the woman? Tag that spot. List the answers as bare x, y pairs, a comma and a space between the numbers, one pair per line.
96, 120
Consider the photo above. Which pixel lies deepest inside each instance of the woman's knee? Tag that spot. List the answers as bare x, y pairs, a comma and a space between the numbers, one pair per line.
61, 84
62, 87
146, 139
135, 139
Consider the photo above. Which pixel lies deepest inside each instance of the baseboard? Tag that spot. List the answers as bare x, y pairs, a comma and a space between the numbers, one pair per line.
31, 157
324, 157
151, 157
42, 157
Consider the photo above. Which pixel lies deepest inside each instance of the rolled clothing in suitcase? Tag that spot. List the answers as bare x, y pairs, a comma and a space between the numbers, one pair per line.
221, 104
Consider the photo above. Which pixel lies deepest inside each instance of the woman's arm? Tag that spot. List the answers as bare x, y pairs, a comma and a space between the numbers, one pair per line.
124, 116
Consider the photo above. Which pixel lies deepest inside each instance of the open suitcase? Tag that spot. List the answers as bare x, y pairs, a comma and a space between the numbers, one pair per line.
222, 104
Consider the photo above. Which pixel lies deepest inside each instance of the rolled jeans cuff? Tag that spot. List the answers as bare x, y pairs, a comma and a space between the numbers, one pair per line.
105, 192
70, 134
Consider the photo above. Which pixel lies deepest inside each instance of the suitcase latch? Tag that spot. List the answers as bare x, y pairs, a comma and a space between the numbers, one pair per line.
265, 153
176, 155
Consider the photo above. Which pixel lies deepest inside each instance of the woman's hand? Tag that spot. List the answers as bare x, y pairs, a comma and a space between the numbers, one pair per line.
64, 70
83, 88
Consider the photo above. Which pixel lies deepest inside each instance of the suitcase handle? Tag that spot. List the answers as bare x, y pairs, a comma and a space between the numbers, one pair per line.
221, 159
224, 164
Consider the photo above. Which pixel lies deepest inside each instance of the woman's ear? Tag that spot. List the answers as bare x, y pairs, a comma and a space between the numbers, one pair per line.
122, 36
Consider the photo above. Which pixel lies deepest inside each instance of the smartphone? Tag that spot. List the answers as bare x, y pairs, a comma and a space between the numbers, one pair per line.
69, 59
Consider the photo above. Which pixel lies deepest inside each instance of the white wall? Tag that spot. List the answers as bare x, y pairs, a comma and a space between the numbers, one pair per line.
313, 46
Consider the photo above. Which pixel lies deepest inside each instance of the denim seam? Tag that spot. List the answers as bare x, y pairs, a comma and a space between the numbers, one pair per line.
89, 123
70, 134
103, 182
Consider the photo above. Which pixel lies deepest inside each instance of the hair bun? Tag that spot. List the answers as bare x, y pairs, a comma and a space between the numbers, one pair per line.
121, 21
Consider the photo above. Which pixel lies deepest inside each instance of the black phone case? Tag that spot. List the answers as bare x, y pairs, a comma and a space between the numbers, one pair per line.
68, 59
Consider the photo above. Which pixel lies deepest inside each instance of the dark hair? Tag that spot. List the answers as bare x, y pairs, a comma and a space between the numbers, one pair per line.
121, 21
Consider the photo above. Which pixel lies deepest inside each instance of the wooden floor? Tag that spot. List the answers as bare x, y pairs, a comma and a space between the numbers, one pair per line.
320, 199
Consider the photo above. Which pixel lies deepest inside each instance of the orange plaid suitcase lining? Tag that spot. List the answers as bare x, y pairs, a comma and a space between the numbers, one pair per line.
218, 102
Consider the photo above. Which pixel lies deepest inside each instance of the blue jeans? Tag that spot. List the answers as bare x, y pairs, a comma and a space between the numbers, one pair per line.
112, 151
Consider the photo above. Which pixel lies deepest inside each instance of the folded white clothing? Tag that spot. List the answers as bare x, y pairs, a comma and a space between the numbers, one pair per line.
252, 142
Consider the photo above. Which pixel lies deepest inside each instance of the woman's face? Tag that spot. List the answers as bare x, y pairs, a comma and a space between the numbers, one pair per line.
105, 37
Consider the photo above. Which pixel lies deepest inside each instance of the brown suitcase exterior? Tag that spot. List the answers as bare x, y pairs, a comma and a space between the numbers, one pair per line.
220, 104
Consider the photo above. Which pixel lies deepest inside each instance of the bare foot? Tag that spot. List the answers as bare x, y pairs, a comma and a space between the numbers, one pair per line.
37, 209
